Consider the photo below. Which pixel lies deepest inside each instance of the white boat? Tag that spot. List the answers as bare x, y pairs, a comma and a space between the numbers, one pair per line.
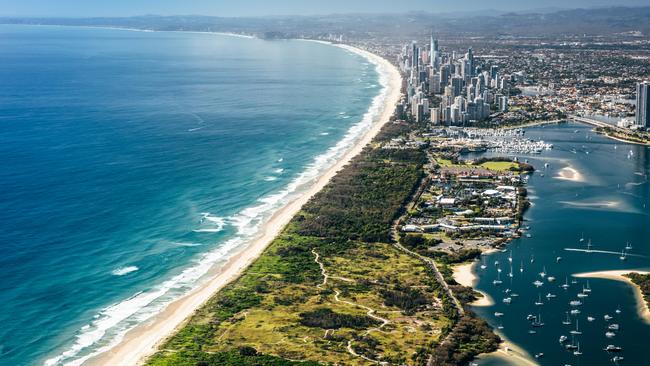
538, 283
612, 348
586, 289
613, 327
498, 280
539, 301
628, 246
538, 321
582, 295
590, 318
566, 283
542, 274
557, 259
582, 238
498, 314
575, 303
576, 331
521, 267
623, 255
507, 300
577, 352
567, 321
551, 296
563, 338
550, 278
610, 334
607, 317
575, 312
618, 310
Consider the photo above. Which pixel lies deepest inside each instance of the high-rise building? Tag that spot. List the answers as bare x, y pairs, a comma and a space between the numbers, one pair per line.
415, 57
642, 105
457, 85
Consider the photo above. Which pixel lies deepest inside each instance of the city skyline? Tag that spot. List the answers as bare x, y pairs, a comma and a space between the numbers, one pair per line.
258, 8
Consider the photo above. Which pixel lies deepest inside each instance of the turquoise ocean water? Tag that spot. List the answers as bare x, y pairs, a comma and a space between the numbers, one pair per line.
134, 161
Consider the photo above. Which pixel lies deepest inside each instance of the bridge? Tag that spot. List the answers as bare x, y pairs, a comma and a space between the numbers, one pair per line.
591, 121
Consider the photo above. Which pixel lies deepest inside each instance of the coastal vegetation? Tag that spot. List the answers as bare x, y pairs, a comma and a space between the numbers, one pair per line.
333, 287
643, 281
634, 136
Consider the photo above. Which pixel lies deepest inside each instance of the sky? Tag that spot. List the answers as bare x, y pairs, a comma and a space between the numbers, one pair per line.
234, 8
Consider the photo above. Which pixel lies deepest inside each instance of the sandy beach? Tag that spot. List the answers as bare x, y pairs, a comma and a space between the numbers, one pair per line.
642, 307
464, 275
143, 340
510, 354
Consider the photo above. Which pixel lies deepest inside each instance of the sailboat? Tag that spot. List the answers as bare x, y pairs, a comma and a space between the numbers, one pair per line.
510, 274
586, 289
572, 345
510, 257
589, 246
521, 267
543, 272
498, 280
582, 238
566, 283
483, 266
623, 255
538, 321
539, 301
568, 319
577, 352
576, 331
628, 246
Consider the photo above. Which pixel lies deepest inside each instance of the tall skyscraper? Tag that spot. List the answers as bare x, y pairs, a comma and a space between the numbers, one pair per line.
434, 52
643, 104
415, 58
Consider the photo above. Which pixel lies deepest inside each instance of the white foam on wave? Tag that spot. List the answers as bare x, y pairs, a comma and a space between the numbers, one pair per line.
324, 133
214, 224
270, 179
111, 324
278, 171
124, 270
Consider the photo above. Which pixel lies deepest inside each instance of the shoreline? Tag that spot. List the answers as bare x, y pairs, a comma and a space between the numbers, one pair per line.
142, 341
464, 275
508, 352
619, 139
619, 275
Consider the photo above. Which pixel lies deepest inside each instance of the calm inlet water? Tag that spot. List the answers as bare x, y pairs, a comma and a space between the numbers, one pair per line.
133, 161
610, 207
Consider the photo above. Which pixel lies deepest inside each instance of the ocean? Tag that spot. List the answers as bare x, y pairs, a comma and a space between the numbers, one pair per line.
132, 162
609, 206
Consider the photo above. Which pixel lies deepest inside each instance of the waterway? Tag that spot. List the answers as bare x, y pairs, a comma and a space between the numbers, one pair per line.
594, 189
